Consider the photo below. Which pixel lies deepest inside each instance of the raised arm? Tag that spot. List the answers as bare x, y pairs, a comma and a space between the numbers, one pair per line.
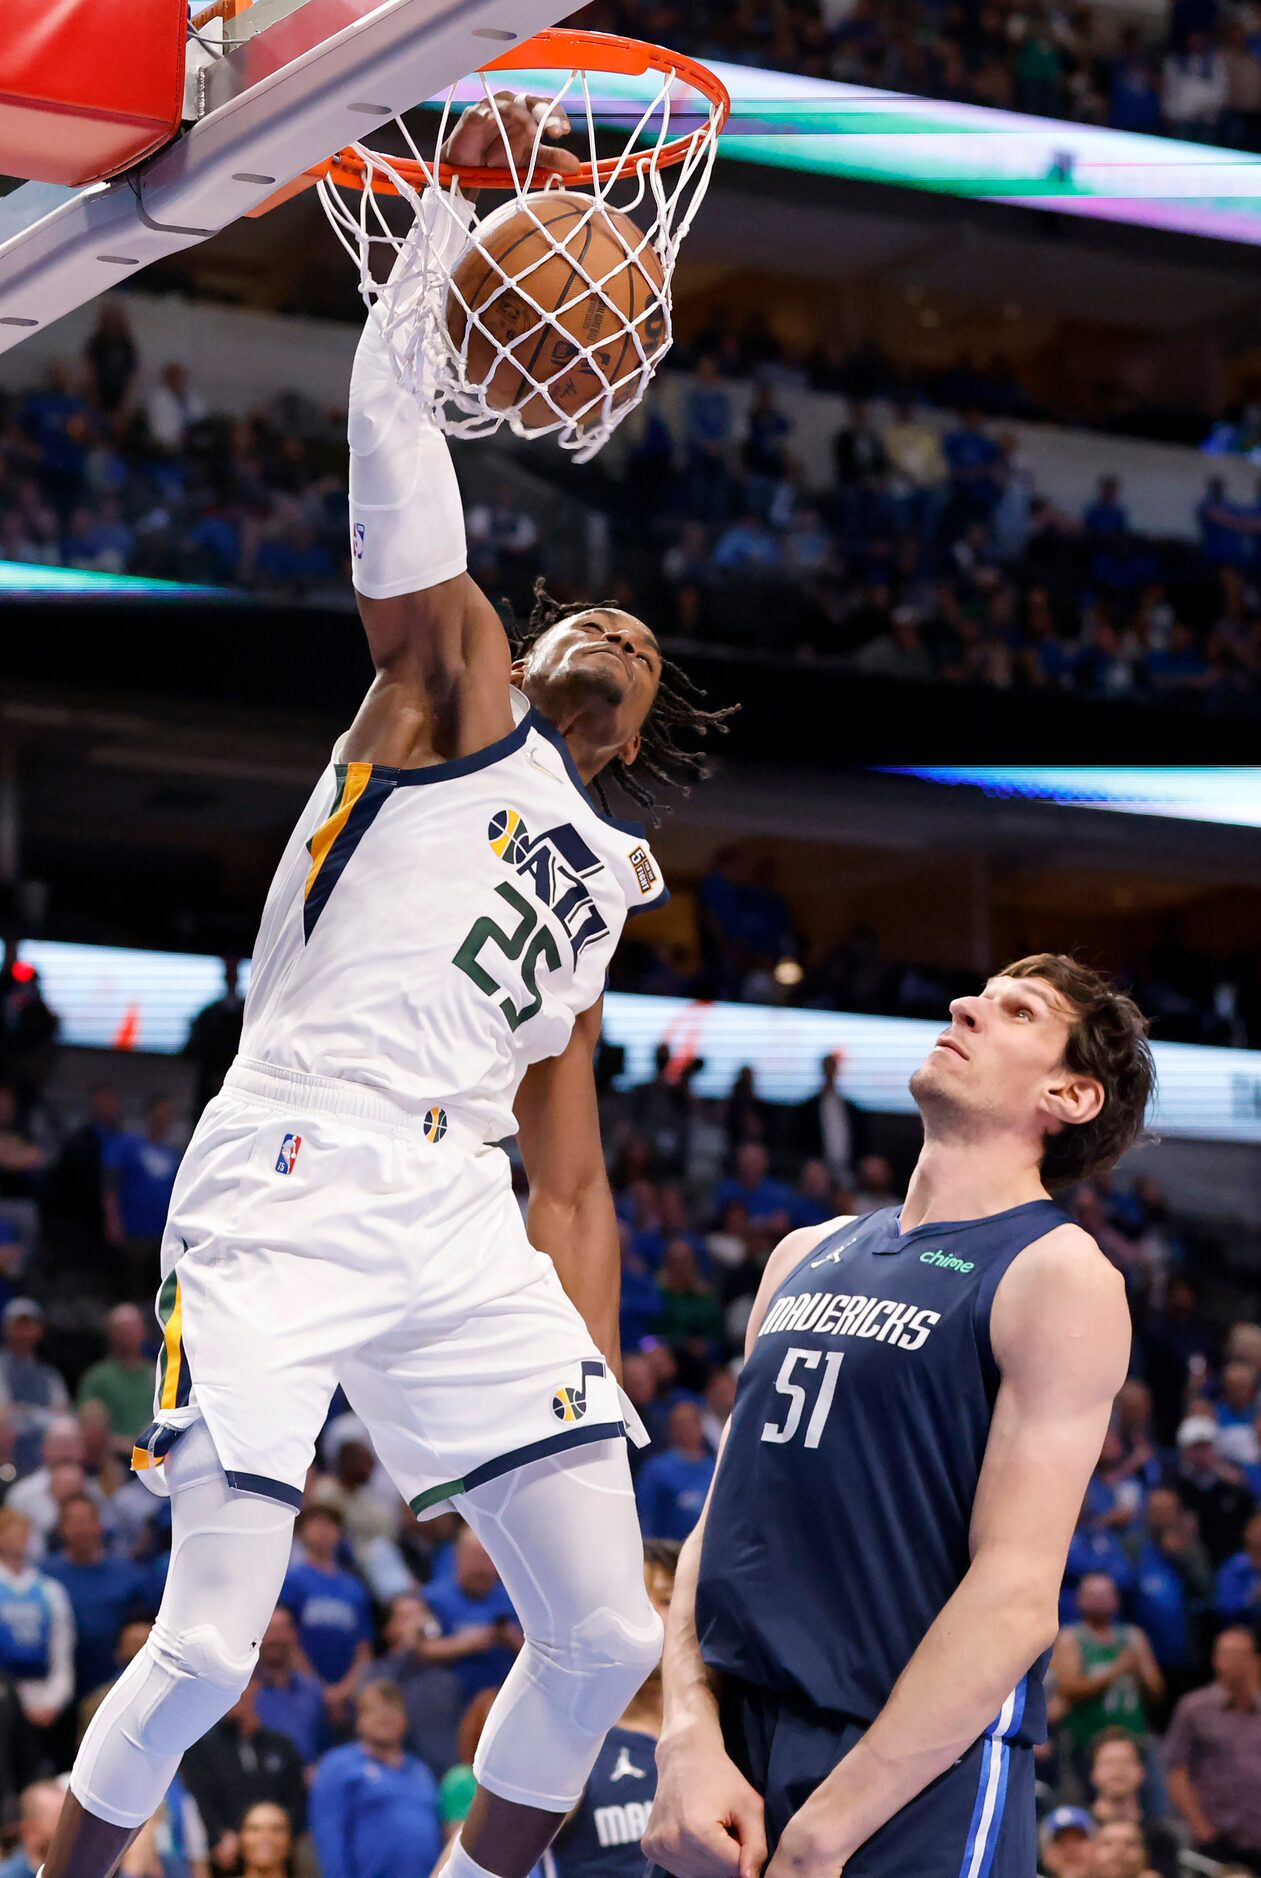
1061, 1336
441, 657
571, 1215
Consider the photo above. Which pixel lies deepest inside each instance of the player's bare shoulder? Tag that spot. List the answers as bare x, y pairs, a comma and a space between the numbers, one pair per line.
1061, 1293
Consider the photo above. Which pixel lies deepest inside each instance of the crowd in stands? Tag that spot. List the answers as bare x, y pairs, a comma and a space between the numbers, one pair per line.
931, 555
746, 947
1191, 70
926, 554
353, 1741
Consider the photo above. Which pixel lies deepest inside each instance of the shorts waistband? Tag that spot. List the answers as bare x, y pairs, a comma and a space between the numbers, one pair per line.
338, 1095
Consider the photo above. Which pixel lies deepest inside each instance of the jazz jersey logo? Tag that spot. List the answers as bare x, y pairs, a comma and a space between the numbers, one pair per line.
288, 1154
556, 864
570, 1404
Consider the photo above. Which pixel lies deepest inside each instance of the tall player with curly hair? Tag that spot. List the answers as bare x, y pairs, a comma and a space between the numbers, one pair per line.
427, 979
862, 1620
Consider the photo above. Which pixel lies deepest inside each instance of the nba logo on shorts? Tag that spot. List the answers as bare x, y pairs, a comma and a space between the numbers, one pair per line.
356, 541
288, 1154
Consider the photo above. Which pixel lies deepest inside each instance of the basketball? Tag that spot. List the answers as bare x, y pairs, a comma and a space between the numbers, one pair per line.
553, 252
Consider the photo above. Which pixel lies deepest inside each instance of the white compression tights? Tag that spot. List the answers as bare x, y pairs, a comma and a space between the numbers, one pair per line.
229, 1554
565, 1537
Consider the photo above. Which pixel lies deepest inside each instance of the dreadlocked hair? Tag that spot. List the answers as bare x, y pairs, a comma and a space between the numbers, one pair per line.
676, 711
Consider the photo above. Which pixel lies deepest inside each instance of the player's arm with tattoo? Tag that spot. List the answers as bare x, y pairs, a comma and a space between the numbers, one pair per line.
1061, 1337
707, 1821
571, 1215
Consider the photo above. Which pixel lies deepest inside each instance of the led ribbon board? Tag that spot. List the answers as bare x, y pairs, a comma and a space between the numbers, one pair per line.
826, 128
109, 997
1229, 796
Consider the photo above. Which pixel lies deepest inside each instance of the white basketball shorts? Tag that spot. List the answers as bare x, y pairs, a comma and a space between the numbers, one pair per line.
318, 1234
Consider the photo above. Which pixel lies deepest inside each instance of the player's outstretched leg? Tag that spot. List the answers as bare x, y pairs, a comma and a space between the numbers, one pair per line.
229, 1553
565, 1538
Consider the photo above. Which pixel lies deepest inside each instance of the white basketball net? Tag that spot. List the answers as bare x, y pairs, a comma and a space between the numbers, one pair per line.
410, 276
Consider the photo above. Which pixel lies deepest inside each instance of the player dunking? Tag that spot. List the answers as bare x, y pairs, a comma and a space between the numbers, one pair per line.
430, 966
854, 1653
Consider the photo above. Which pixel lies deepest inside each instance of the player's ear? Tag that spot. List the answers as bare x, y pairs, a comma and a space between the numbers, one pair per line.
630, 749
517, 671
1073, 1099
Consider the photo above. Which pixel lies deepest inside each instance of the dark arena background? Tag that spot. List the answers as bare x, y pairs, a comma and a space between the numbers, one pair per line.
951, 482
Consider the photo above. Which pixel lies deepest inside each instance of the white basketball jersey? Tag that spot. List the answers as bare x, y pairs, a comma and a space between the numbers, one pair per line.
432, 932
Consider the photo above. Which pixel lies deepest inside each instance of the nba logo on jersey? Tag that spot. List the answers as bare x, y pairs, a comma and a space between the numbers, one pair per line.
356, 541
288, 1154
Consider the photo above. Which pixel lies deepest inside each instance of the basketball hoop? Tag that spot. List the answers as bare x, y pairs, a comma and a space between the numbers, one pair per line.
455, 350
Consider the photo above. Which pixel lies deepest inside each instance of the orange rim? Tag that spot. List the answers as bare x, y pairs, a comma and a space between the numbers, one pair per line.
563, 50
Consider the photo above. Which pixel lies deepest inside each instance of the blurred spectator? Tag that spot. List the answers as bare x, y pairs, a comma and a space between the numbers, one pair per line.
74, 1193
1239, 1580
34, 1391
28, 1029
1213, 1753
286, 1699
102, 1590
672, 1486
22, 1161
237, 1765
1213, 1488
266, 1839
480, 1634
140, 1174
331, 1607
1194, 90
875, 1187
172, 408
659, 1109
214, 1034
1104, 1671
1120, 1851
1173, 1583
122, 1380
690, 1311
1117, 1776
112, 358
40, 1495
37, 1633
1066, 1842
39, 1812
374, 1808
432, 1694
763, 1199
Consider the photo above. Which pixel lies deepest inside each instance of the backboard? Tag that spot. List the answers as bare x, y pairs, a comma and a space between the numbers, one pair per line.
295, 80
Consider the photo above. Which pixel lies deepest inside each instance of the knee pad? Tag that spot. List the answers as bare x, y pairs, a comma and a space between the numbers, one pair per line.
609, 1659
192, 1682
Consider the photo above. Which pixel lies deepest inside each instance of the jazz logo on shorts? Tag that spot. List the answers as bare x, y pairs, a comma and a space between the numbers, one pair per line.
569, 1404
435, 1124
288, 1154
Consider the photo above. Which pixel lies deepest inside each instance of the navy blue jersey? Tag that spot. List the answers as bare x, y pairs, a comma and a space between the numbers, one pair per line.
838, 1527
601, 1837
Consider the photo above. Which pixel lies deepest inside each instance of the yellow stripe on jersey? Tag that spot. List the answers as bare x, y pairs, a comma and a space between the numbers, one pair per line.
357, 778
174, 1353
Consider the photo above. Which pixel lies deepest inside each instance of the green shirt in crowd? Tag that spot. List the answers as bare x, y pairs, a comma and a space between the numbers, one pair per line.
126, 1389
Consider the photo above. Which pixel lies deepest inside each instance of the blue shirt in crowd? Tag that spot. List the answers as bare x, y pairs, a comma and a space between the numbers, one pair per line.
333, 1613
144, 1173
1160, 1606
102, 1597
1239, 1587
671, 1491
371, 1820
294, 1708
455, 1610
